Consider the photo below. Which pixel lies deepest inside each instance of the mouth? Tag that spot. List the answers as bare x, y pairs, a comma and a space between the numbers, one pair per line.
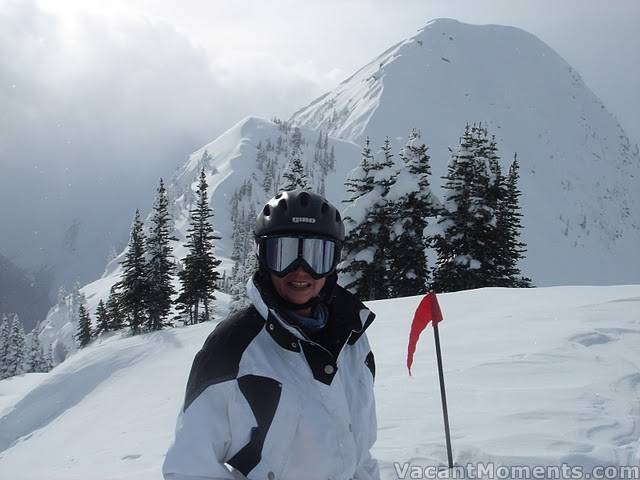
299, 285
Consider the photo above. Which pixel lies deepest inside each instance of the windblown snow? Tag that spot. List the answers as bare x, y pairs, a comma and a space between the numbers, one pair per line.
534, 377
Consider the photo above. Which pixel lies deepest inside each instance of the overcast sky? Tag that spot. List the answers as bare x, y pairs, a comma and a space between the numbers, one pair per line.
120, 92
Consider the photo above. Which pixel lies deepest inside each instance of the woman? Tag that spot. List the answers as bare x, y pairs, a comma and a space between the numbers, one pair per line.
284, 388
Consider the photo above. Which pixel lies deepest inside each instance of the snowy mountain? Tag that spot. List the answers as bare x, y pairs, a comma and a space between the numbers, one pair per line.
534, 377
239, 164
579, 174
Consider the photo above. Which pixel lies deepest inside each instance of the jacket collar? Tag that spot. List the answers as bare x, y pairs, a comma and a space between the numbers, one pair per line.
351, 315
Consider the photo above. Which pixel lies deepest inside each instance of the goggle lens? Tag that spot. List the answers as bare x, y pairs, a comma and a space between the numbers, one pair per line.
280, 253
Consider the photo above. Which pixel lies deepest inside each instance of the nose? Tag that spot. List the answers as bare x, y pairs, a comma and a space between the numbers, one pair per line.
300, 271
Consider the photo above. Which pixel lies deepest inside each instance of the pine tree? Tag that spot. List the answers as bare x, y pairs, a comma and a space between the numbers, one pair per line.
367, 244
83, 334
133, 286
48, 358
5, 333
455, 267
469, 239
484, 195
294, 176
103, 324
160, 268
199, 277
509, 226
114, 314
408, 261
15, 353
36, 361
360, 181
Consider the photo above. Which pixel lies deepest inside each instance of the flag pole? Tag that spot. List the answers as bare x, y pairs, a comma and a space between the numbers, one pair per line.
443, 395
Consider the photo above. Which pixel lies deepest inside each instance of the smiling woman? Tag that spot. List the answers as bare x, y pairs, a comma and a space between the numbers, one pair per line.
299, 358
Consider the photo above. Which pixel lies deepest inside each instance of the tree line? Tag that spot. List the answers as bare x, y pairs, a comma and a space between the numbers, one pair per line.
394, 221
143, 299
401, 239
395, 224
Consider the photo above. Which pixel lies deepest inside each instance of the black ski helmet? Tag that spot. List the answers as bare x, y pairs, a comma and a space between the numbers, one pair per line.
300, 212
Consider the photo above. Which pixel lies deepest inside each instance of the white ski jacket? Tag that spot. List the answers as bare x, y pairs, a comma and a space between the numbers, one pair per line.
264, 402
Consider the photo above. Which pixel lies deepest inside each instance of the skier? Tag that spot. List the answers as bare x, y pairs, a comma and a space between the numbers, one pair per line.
284, 388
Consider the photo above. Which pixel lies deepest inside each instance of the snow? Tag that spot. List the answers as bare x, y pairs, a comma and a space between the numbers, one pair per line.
579, 174
534, 377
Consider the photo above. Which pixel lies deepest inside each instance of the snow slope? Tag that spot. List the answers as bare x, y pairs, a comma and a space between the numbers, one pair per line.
579, 174
534, 377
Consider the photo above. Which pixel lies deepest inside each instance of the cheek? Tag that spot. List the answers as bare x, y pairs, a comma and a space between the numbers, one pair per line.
319, 284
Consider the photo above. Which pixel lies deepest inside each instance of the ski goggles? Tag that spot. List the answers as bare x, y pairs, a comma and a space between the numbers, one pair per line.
283, 254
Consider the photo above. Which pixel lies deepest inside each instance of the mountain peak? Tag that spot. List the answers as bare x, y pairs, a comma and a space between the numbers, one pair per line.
577, 168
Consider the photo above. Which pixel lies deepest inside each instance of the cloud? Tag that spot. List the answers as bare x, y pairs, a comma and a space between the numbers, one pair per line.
94, 112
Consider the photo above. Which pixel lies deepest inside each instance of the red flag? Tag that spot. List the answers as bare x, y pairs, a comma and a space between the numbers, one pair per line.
427, 311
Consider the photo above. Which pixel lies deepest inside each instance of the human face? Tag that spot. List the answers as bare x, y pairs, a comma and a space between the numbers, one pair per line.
298, 287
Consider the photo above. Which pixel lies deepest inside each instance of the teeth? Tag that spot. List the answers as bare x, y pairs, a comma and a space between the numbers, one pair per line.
300, 284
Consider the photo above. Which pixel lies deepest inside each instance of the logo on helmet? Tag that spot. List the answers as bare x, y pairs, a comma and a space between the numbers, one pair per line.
303, 220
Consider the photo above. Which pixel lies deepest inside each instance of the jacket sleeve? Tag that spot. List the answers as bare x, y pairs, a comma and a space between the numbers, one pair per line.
202, 438
368, 467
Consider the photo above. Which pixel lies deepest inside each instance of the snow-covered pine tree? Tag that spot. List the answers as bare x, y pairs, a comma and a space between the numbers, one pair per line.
509, 227
83, 334
114, 314
485, 190
456, 268
35, 361
367, 244
160, 267
239, 298
5, 332
267, 182
103, 324
199, 277
294, 176
16, 352
74, 300
360, 181
132, 298
415, 203
48, 358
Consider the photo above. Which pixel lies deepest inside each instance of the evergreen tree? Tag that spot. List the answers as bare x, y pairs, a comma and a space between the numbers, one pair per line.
103, 323
455, 268
36, 361
408, 261
367, 244
114, 314
199, 277
267, 183
48, 358
15, 352
83, 334
133, 286
160, 268
485, 190
472, 238
5, 333
294, 176
360, 181
509, 226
